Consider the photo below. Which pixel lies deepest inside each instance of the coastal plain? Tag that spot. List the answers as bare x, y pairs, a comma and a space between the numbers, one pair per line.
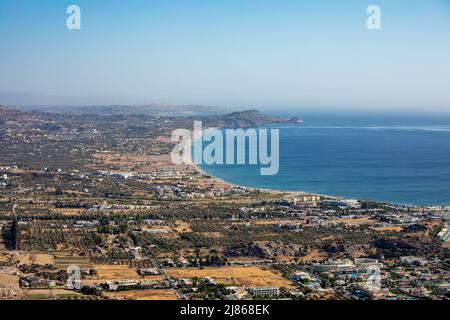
99, 192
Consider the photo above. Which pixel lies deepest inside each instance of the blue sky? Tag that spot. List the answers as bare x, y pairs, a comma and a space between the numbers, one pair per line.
298, 55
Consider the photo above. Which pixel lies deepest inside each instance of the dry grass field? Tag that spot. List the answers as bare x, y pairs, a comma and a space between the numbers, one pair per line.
387, 228
9, 279
9, 287
34, 258
354, 221
240, 275
116, 272
43, 294
94, 280
156, 294
66, 212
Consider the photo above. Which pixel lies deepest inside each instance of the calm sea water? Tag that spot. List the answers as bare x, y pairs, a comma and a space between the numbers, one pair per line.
393, 159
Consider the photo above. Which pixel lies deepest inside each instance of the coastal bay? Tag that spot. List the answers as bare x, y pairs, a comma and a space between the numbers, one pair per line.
393, 160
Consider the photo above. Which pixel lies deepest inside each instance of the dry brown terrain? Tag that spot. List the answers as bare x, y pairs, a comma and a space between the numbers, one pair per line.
116, 272
387, 228
314, 255
9, 286
40, 294
246, 276
354, 221
34, 258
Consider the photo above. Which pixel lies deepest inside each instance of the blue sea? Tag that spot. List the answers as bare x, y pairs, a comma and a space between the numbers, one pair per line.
397, 159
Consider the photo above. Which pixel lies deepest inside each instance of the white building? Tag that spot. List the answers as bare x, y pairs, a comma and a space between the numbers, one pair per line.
336, 266
265, 292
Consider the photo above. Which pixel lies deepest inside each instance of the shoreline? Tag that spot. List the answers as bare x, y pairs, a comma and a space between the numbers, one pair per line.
230, 184
298, 193
272, 191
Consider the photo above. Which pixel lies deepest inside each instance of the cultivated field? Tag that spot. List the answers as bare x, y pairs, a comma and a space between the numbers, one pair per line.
34, 258
63, 262
3, 258
275, 222
42, 294
246, 276
354, 221
122, 272
116, 272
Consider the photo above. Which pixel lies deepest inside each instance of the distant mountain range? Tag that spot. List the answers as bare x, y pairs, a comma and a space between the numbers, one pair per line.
155, 110
238, 119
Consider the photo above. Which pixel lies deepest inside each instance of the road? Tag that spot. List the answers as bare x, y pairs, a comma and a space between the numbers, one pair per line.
167, 279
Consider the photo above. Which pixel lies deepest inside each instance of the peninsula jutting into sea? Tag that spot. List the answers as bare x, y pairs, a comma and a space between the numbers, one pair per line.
99, 191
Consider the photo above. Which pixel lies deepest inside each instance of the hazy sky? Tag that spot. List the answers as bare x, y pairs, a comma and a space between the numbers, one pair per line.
231, 53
